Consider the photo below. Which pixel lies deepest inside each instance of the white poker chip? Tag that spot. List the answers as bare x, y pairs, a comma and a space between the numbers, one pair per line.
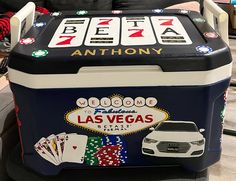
157, 10
27, 41
39, 24
199, 20
204, 49
56, 13
117, 12
210, 34
82, 12
184, 11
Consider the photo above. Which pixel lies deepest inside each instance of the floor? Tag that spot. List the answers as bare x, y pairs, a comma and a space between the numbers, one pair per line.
225, 169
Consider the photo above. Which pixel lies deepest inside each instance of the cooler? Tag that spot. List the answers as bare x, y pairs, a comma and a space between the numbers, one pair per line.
120, 89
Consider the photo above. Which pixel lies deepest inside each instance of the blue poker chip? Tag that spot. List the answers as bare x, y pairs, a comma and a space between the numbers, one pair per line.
39, 24
204, 49
109, 140
157, 10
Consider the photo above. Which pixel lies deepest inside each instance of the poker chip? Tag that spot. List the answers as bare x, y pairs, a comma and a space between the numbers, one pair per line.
93, 145
27, 41
39, 24
222, 114
108, 155
225, 95
40, 53
105, 151
56, 13
117, 140
184, 11
210, 34
199, 20
204, 49
117, 12
157, 10
82, 12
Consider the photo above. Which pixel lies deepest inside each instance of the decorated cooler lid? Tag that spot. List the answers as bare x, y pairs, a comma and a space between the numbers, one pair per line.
63, 42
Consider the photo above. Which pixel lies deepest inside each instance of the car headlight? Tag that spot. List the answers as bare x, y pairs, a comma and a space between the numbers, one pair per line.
147, 140
199, 143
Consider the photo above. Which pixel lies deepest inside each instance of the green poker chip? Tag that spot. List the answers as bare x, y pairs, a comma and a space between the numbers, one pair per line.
82, 12
40, 53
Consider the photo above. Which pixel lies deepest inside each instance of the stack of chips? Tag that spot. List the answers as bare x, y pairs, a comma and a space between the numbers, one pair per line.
108, 155
93, 145
105, 151
116, 140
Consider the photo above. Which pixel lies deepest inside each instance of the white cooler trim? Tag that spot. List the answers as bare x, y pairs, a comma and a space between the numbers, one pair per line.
120, 76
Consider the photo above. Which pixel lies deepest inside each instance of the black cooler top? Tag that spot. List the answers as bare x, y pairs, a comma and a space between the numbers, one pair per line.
63, 42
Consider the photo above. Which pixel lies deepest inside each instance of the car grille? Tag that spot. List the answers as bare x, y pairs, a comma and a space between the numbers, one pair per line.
173, 147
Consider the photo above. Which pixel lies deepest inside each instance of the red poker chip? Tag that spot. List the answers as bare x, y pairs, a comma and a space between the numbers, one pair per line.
27, 41
225, 95
210, 34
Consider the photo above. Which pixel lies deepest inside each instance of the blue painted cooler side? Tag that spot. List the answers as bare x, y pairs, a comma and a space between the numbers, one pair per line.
42, 113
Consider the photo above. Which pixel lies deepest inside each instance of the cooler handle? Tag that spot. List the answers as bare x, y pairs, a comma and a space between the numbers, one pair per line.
211, 10
26, 13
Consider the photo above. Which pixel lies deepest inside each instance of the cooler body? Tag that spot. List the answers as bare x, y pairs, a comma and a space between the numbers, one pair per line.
133, 90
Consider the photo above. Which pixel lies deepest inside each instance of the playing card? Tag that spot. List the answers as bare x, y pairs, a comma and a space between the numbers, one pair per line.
60, 144
74, 148
137, 31
70, 33
103, 31
45, 147
52, 143
40, 151
44, 153
170, 31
